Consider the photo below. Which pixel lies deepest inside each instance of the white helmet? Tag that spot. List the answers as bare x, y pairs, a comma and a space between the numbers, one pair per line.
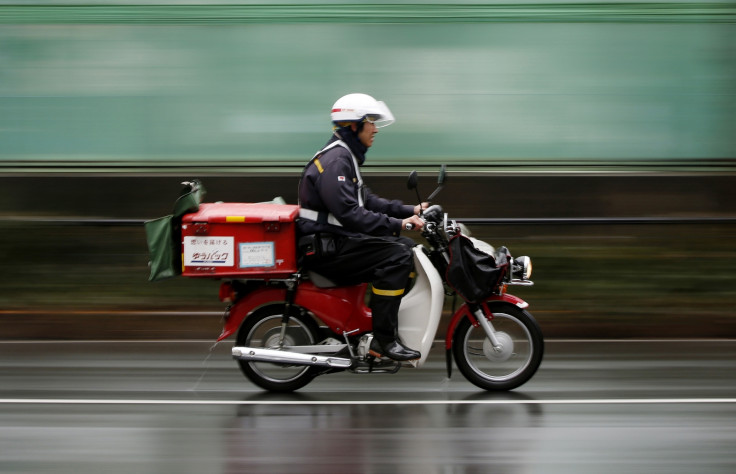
359, 107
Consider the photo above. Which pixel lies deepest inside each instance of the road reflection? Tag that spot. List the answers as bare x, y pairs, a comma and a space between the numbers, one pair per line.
125, 407
427, 437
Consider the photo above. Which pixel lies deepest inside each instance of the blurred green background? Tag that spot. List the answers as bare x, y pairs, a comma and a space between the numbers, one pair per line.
471, 82
541, 109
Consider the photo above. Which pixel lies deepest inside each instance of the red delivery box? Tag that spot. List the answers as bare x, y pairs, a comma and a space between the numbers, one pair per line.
240, 240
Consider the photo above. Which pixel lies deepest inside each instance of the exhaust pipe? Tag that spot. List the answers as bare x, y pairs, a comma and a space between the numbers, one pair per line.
259, 354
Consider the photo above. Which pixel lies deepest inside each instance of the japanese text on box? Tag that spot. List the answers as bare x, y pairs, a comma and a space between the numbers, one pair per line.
211, 251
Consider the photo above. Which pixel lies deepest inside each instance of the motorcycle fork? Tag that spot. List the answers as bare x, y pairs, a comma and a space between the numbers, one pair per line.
485, 323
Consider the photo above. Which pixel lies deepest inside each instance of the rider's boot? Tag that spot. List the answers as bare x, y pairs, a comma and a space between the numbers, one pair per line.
393, 350
385, 342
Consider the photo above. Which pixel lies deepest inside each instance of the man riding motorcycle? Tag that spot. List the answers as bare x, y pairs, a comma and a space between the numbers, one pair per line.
349, 234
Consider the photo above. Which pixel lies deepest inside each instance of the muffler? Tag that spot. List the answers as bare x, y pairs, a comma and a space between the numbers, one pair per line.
259, 354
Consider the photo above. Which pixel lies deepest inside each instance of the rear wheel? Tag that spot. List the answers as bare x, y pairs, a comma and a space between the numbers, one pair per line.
263, 329
505, 367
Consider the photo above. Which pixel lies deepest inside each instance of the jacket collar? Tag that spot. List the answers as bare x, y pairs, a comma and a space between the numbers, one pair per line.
351, 140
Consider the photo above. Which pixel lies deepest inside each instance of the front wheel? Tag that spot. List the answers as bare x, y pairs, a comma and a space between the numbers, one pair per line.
508, 366
263, 329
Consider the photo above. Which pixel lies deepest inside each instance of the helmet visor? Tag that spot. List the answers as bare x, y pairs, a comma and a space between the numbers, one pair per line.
381, 117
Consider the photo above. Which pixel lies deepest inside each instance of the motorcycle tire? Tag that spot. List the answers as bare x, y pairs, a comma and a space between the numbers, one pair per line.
263, 329
508, 366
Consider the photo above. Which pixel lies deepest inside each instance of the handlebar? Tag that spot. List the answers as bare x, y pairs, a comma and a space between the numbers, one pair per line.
433, 213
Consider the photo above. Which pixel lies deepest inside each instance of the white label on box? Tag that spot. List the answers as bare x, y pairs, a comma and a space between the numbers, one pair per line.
209, 251
257, 254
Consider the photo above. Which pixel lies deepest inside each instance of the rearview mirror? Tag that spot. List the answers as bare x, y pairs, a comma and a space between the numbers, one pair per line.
412, 181
441, 180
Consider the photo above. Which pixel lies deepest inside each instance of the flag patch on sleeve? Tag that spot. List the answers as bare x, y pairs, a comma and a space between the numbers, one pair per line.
341, 178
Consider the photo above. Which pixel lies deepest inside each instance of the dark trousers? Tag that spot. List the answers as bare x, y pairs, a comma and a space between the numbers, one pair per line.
385, 262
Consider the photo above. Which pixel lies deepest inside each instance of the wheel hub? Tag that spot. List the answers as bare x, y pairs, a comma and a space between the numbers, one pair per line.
501, 353
272, 337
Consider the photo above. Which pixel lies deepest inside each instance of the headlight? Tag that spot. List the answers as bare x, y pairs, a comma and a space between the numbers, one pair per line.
522, 268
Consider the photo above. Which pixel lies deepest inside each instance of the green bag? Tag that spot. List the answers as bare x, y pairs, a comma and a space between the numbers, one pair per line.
163, 235
160, 237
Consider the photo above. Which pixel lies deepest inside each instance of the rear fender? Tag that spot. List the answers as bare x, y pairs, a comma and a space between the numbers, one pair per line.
246, 305
340, 308
491, 303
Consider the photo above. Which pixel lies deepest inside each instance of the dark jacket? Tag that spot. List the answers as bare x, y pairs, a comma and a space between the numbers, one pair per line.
330, 184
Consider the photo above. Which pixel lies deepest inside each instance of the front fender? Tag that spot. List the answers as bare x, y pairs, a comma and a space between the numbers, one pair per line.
490, 303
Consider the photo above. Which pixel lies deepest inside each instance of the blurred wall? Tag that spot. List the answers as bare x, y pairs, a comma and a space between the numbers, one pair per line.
106, 106
469, 82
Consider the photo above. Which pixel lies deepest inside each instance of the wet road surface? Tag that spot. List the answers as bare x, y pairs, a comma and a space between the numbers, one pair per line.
165, 406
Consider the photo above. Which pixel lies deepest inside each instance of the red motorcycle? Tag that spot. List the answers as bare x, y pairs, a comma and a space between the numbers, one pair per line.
292, 326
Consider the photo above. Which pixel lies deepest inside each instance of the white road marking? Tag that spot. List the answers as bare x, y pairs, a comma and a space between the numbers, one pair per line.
603, 401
